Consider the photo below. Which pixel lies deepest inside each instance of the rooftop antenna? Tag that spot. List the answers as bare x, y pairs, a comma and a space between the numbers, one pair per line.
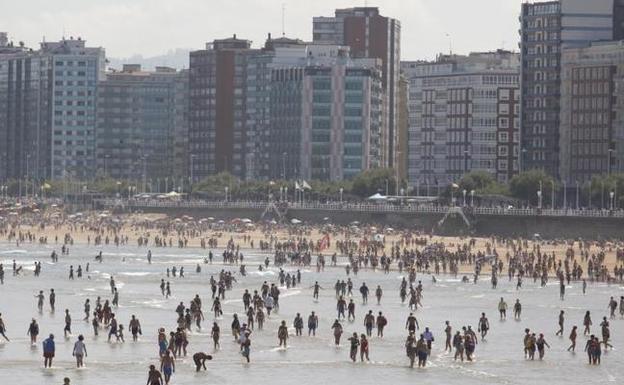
450, 44
283, 19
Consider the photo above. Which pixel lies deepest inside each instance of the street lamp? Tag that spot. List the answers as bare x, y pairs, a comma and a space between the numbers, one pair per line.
192, 167
577, 194
284, 166
611, 195
106, 157
552, 194
609, 161
565, 195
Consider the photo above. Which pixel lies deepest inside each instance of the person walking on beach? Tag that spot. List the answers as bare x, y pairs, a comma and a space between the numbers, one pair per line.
541, 344
67, 329
561, 322
572, 338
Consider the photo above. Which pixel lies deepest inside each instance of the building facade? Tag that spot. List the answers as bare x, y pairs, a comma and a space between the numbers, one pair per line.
76, 73
314, 112
25, 113
141, 115
463, 116
217, 107
592, 111
370, 35
546, 29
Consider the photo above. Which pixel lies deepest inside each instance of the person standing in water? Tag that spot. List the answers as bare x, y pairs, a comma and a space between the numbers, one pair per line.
80, 351
502, 309
48, 351
484, 326
33, 331
355, 342
167, 365
337, 328
215, 333
3, 328
282, 334
154, 377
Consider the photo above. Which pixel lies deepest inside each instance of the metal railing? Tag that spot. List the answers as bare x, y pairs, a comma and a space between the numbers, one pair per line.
361, 207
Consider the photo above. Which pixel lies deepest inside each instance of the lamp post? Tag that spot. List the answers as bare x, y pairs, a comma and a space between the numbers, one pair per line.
552, 194
609, 161
106, 157
192, 168
611, 195
565, 195
577, 195
602, 206
284, 166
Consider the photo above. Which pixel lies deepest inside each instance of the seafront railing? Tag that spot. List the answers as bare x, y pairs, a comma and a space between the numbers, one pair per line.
360, 207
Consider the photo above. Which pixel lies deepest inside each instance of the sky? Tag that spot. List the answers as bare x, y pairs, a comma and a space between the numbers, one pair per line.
154, 27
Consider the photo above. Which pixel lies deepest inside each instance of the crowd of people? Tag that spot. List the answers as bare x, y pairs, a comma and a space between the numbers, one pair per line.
411, 254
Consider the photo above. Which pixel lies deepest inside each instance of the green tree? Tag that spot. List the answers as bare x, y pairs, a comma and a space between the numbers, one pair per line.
374, 181
525, 186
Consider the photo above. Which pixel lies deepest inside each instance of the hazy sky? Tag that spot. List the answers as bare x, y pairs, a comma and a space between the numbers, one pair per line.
152, 27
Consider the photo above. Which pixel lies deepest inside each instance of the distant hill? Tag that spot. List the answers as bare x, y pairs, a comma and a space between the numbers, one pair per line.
178, 58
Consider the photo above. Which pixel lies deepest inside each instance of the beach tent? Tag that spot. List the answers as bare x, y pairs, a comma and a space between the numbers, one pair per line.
377, 197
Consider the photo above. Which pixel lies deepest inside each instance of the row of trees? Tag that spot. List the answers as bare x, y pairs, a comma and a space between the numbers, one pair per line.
526, 187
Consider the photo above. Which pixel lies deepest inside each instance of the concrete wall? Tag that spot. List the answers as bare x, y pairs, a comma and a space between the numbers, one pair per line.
547, 227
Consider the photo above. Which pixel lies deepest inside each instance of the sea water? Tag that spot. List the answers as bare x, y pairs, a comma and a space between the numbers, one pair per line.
307, 360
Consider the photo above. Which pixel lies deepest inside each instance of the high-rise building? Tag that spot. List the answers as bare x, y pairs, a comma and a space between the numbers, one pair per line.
217, 107
272, 138
370, 35
546, 29
592, 111
141, 121
25, 113
315, 112
463, 116
76, 73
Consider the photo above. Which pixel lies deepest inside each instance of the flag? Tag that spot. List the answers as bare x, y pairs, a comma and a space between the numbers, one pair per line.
455, 185
297, 187
306, 186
